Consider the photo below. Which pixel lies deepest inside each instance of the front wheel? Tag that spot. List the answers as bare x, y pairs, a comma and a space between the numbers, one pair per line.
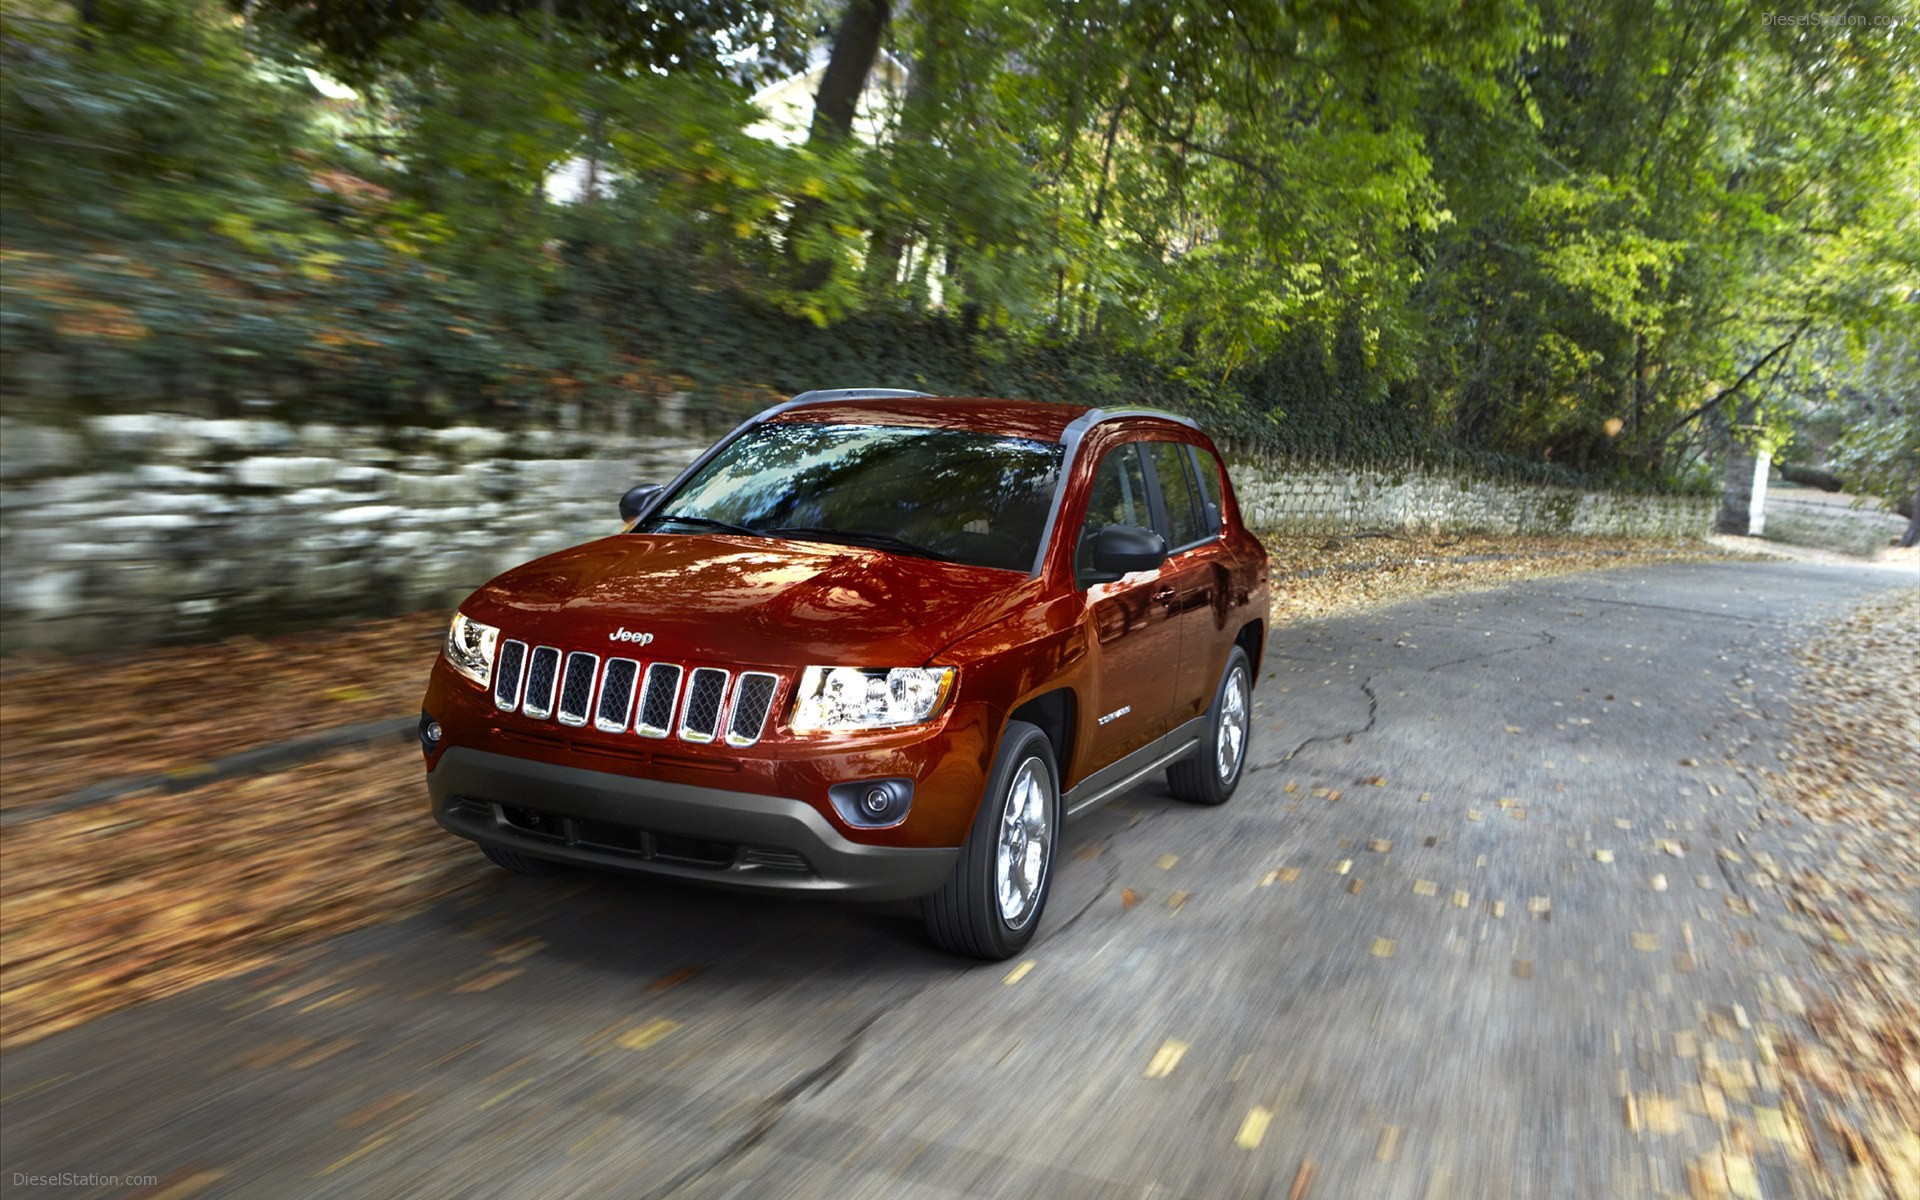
1210, 774
991, 904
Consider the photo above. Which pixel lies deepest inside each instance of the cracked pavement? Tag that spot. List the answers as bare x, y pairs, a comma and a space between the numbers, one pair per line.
1421, 954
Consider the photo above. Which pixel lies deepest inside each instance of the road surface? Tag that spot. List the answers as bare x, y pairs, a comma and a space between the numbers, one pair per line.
1485, 919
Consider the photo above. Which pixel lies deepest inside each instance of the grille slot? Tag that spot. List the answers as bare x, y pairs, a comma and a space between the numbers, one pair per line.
655, 718
773, 859
700, 717
543, 675
616, 695
752, 697
506, 675
576, 687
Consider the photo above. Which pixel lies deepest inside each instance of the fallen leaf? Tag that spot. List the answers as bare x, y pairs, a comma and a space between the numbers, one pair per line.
1425, 887
1383, 947
1389, 1145
1018, 973
1165, 1059
1253, 1128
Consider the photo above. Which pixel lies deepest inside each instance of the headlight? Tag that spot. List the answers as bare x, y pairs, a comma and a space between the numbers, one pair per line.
869, 697
470, 648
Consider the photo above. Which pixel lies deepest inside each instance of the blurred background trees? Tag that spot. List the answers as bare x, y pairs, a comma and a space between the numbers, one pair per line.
1547, 237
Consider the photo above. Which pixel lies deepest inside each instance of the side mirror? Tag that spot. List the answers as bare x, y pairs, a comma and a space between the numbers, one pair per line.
1122, 549
638, 500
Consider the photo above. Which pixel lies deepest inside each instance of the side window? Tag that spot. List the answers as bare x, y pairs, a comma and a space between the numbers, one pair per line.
1119, 498
1208, 477
1184, 521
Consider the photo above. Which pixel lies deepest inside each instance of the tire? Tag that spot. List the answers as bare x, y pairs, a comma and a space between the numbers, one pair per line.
1209, 775
989, 908
521, 864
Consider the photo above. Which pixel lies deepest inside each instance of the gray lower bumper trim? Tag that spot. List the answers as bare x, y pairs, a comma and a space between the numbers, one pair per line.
470, 788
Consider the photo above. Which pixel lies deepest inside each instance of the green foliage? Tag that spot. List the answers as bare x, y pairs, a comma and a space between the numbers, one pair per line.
1577, 238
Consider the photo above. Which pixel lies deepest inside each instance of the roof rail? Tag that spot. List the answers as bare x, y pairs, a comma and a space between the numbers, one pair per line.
1094, 416
859, 394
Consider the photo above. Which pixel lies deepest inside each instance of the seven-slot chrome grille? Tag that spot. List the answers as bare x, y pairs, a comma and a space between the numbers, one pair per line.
653, 700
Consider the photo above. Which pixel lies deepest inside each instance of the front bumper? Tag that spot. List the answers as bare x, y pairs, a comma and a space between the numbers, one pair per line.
699, 834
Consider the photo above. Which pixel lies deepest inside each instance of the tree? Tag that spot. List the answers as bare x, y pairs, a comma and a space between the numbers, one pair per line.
1878, 454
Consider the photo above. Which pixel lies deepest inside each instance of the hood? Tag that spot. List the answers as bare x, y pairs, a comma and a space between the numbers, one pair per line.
728, 600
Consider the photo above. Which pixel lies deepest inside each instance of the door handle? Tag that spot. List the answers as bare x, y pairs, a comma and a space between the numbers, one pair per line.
1165, 595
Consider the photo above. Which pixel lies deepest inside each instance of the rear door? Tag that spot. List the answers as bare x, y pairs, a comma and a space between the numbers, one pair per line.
1194, 580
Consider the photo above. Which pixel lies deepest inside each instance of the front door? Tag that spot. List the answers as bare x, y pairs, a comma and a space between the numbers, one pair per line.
1136, 644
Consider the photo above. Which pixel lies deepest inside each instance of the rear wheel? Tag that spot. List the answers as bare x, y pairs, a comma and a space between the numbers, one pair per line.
991, 904
1211, 773
520, 864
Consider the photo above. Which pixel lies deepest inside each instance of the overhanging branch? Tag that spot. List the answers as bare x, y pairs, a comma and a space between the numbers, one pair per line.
1731, 389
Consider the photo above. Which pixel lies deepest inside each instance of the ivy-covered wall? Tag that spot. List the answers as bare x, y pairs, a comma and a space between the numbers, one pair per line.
140, 527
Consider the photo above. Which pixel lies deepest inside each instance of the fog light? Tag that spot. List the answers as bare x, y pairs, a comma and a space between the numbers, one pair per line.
873, 803
430, 734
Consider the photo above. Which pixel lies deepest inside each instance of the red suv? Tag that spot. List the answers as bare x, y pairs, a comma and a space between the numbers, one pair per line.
874, 645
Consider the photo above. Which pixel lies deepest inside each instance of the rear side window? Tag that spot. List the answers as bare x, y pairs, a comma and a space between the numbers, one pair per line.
1185, 521
1208, 478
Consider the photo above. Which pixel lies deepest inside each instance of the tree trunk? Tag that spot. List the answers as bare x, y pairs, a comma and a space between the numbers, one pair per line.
919, 120
855, 45
1912, 536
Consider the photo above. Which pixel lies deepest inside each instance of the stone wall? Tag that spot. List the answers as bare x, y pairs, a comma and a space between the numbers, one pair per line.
146, 528
1327, 501
1845, 524
140, 528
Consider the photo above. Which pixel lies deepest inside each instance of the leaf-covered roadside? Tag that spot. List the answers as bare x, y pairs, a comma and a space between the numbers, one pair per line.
151, 895
1853, 1065
147, 896
172, 710
1317, 576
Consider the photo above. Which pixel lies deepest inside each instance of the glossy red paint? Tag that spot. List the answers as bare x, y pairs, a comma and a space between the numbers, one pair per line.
1152, 643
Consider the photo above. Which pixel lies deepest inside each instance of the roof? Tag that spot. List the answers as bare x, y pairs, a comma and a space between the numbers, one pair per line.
1039, 420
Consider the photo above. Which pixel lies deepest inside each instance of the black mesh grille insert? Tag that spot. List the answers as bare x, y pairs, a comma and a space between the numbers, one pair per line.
751, 699
616, 695
656, 701
506, 675
542, 674
576, 687
701, 716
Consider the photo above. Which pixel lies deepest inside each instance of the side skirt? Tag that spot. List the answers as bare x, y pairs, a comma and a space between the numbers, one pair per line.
1109, 781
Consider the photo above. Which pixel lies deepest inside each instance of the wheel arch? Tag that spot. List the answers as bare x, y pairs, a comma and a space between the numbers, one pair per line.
1054, 712
1253, 639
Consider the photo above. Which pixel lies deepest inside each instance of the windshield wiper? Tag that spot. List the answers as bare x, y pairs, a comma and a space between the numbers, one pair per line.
704, 522
861, 537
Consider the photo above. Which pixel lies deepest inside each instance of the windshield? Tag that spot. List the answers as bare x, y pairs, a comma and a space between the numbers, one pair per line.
954, 495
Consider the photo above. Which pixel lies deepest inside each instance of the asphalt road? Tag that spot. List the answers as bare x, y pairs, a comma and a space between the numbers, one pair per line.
1487, 918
